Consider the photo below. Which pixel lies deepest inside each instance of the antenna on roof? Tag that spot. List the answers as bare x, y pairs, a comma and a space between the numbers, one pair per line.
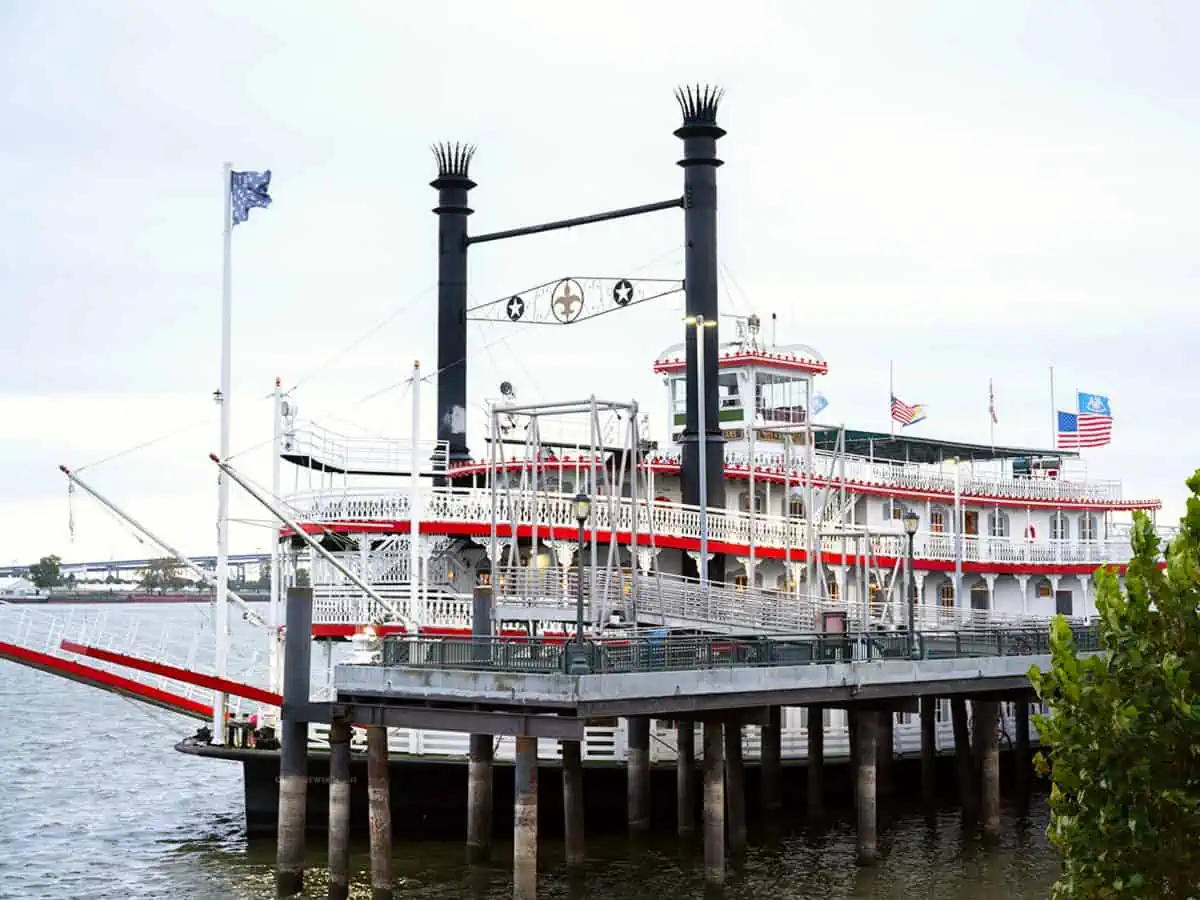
774, 323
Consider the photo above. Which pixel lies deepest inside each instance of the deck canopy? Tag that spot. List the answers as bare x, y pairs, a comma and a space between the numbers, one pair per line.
881, 445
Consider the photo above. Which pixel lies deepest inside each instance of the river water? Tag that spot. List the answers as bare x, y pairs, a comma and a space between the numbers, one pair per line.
95, 803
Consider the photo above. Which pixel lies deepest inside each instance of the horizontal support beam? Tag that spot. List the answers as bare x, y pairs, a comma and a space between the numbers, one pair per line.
512, 724
675, 203
693, 706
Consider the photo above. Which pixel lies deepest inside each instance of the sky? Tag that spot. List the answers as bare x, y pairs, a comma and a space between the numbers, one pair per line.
971, 192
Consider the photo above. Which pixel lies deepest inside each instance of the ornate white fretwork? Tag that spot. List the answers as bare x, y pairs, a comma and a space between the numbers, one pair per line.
646, 557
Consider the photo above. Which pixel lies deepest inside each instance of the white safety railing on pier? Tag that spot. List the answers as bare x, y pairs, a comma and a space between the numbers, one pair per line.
556, 511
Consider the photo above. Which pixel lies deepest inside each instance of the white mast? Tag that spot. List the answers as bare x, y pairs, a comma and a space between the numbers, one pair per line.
415, 607
221, 625
273, 646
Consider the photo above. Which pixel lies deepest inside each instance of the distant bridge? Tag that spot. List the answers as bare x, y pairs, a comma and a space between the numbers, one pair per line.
117, 566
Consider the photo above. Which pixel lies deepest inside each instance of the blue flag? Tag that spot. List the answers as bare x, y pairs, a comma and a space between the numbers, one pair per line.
249, 190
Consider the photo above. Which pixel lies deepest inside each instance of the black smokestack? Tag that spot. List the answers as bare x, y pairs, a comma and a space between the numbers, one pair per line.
700, 134
452, 184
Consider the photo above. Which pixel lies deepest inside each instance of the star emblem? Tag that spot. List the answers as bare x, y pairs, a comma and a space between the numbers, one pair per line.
622, 293
515, 309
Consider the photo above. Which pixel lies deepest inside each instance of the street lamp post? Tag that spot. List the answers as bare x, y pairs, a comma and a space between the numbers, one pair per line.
577, 662
911, 521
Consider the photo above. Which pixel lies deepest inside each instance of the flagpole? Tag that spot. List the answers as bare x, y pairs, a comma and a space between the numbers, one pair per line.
892, 393
222, 603
1053, 413
992, 413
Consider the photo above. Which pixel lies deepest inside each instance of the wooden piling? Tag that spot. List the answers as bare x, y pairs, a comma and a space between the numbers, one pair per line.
867, 729
735, 789
816, 762
1022, 760
962, 756
380, 813
929, 750
479, 798
339, 810
885, 750
770, 778
637, 766
572, 777
685, 777
989, 732
525, 820
714, 804
293, 754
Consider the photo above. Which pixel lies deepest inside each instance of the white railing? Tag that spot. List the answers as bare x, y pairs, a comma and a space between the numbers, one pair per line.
670, 600
126, 632
474, 506
610, 744
364, 453
923, 477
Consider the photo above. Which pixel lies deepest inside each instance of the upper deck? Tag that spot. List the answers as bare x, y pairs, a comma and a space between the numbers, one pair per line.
990, 484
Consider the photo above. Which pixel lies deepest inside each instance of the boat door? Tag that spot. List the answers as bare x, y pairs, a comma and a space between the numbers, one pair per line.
970, 522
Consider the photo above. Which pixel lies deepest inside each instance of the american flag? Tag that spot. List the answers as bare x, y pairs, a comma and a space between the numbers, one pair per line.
906, 414
248, 190
1077, 430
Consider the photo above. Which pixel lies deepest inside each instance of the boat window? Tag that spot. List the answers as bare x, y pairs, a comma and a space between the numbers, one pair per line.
979, 597
946, 593
1087, 527
780, 398
1060, 526
760, 501
998, 523
727, 391
678, 396
937, 520
893, 509
796, 506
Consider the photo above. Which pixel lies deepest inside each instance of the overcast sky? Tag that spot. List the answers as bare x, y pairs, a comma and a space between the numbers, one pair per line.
973, 190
